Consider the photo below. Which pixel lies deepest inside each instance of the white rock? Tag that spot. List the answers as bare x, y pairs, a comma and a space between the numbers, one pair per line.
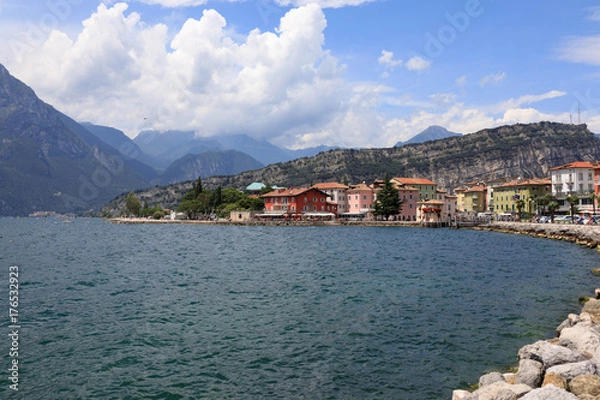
570, 371
549, 392
550, 354
460, 395
584, 337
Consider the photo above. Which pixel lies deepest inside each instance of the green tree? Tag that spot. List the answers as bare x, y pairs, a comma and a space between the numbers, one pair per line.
198, 187
552, 207
217, 197
388, 202
544, 201
520, 205
572, 199
132, 203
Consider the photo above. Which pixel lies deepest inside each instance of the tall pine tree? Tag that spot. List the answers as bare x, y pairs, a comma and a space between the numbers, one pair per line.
388, 202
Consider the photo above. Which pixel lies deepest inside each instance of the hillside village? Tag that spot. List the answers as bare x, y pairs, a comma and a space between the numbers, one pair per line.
574, 186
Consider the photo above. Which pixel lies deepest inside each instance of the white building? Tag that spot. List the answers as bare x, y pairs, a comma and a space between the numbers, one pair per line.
337, 194
576, 178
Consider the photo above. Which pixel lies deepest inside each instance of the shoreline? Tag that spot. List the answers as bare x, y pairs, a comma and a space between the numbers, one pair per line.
564, 367
223, 222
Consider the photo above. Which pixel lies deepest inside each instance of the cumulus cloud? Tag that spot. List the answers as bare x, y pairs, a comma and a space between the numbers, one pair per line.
417, 64
281, 85
492, 79
119, 71
387, 59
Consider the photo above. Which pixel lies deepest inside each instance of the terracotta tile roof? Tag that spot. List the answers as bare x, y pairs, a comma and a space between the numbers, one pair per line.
577, 164
360, 186
414, 181
293, 192
329, 185
526, 182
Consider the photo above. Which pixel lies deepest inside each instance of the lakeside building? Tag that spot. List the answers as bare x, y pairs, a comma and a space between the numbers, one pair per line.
472, 198
578, 178
338, 194
427, 188
360, 201
408, 195
298, 203
508, 194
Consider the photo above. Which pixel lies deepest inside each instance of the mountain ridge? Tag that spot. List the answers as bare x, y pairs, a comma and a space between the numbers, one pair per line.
49, 162
525, 150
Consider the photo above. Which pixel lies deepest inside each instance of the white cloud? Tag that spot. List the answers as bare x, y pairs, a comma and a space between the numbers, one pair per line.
492, 79
584, 50
461, 81
594, 14
283, 86
527, 99
387, 59
119, 71
417, 64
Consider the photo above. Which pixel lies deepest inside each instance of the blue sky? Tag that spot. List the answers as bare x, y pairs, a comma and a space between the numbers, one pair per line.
352, 73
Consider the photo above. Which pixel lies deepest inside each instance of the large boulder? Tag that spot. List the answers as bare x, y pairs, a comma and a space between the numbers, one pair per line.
500, 391
585, 384
584, 337
592, 307
490, 378
570, 371
550, 354
554, 379
549, 392
530, 372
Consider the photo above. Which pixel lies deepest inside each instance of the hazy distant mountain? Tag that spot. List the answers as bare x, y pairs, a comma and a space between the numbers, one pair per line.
126, 146
434, 132
50, 162
172, 145
210, 163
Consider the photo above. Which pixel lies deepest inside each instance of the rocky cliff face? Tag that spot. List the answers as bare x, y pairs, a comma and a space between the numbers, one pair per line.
526, 150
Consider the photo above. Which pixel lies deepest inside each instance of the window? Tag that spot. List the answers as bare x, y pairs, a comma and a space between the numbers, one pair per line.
305, 208
322, 200
314, 199
315, 208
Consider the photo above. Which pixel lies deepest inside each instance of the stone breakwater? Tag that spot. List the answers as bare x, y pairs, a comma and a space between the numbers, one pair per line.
565, 367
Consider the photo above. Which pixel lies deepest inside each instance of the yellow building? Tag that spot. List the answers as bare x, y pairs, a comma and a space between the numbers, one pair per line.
507, 194
471, 199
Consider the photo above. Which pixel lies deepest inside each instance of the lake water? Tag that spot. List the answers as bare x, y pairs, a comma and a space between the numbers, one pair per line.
211, 312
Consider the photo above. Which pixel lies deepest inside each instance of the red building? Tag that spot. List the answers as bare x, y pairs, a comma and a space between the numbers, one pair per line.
298, 203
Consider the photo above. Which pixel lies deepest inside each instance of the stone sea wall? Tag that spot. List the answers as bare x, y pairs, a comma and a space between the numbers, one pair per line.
565, 367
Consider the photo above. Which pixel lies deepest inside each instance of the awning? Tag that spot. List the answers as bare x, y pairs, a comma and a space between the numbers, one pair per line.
318, 214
